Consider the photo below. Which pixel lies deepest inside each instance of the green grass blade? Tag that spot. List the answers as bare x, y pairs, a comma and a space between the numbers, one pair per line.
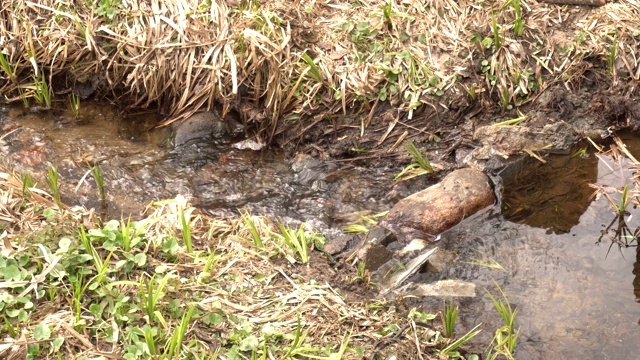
313, 68
456, 344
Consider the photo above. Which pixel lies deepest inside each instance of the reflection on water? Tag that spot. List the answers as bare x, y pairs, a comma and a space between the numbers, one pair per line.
575, 300
551, 195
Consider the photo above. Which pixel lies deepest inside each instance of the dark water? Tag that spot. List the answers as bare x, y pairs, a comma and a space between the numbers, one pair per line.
576, 299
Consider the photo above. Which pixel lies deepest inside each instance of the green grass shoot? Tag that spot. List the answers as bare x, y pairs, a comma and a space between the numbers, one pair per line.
449, 317
620, 207
41, 91
518, 25
52, 181
313, 68
27, 183
185, 225
496, 33
74, 104
151, 294
612, 55
253, 230
580, 153
461, 341
506, 337
355, 229
421, 166
176, 341
625, 200
98, 176
510, 122
296, 241
491, 264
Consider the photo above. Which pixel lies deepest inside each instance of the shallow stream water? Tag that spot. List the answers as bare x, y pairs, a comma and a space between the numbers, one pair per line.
575, 298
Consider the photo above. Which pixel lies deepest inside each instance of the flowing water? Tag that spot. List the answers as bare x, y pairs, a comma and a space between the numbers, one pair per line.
219, 176
575, 298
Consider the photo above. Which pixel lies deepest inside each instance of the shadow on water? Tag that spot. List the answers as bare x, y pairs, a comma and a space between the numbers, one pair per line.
577, 296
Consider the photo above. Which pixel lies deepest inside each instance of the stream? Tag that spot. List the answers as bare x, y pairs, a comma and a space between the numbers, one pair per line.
576, 296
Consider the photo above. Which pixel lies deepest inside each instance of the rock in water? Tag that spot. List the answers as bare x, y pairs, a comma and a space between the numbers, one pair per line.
202, 125
427, 213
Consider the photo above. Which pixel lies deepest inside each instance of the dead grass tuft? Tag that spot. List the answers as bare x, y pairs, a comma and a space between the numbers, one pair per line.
278, 62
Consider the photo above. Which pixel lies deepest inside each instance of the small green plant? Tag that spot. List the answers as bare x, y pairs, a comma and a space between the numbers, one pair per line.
496, 33
74, 104
313, 68
6, 66
185, 225
506, 337
612, 56
625, 199
23, 97
421, 166
449, 317
362, 274
52, 181
505, 100
363, 223
130, 233
491, 264
622, 234
27, 183
176, 341
355, 229
518, 25
471, 90
108, 8
98, 176
151, 293
296, 241
212, 263
454, 346
386, 13
510, 122
41, 91
253, 230
581, 153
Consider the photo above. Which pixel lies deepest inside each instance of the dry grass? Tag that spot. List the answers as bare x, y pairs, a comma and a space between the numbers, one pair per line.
280, 61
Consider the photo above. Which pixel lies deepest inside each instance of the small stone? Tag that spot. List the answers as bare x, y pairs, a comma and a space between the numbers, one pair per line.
249, 145
336, 245
442, 288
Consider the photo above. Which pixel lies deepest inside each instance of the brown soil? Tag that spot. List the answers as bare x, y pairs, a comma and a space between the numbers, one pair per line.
594, 110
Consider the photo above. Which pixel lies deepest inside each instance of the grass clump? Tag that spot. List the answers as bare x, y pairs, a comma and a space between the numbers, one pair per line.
505, 339
421, 166
52, 181
449, 317
300, 242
